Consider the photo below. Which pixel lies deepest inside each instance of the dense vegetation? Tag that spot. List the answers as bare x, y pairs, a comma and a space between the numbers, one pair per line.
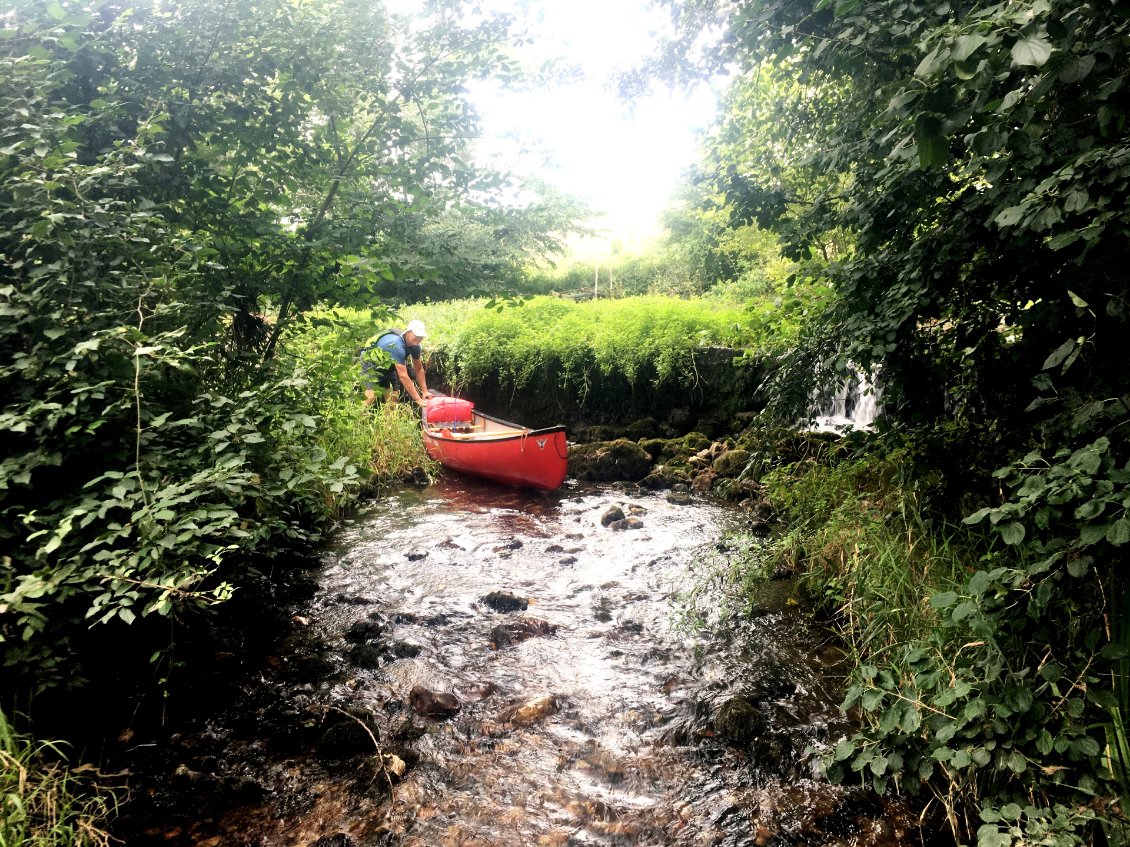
179, 185
957, 173
206, 208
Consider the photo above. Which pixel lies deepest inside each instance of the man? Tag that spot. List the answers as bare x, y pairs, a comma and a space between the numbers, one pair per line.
399, 345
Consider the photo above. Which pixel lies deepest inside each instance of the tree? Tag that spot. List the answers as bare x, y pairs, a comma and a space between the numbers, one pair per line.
975, 158
979, 156
178, 181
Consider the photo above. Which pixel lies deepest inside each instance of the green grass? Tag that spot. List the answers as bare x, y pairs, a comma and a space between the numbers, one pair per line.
643, 339
857, 533
45, 803
384, 439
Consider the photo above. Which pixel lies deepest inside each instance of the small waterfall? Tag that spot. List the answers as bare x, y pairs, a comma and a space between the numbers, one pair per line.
854, 404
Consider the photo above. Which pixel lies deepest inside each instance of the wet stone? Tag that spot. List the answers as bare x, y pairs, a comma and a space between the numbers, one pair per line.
506, 634
338, 840
393, 765
611, 515
416, 556
532, 711
627, 523
475, 691
364, 632
433, 704
348, 735
567, 560
353, 600
502, 601
404, 649
679, 498
739, 721
365, 656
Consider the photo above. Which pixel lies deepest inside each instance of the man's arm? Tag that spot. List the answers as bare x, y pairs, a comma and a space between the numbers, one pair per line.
406, 381
421, 380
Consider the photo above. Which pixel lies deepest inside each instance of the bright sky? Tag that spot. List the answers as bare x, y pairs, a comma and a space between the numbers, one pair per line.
625, 159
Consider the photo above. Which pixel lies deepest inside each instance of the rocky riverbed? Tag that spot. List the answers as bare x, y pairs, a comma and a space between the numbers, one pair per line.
474, 665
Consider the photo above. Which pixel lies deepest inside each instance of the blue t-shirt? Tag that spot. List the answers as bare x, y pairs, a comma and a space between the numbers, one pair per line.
392, 342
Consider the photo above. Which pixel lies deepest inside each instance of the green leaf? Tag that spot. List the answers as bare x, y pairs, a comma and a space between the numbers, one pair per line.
1031, 52
933, 148
1118, 533
1077, 68
1090, 534
1059, 354
965, 46
1010, 216
1012, 533
944, 599
932, 62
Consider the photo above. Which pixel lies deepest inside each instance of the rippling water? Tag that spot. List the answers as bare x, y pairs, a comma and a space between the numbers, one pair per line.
596, 715
616, 744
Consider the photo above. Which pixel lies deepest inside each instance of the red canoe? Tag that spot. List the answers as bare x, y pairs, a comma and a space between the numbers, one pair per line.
458, 437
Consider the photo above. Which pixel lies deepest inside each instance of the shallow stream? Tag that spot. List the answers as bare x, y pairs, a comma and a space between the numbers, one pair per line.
535, 675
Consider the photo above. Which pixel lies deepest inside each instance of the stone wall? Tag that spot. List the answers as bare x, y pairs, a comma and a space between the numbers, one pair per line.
720, 385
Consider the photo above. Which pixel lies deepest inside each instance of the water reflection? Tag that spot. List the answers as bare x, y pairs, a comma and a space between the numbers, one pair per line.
616, 742
526, 669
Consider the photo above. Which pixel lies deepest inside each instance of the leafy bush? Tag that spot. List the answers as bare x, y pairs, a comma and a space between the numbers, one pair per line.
642, 339
984, 671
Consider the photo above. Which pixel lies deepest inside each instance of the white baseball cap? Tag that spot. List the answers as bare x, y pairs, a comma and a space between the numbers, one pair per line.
417, 329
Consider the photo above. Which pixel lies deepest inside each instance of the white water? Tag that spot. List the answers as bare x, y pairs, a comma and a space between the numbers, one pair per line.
853, 405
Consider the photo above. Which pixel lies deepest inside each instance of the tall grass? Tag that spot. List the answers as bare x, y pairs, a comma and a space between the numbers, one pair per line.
858, 535
45, 803
383, 440
628, 337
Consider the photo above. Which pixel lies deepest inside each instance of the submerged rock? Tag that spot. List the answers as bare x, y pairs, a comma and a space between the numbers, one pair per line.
532, 711
739, 721
364, 632
517, 631
433, 704
393, 765
348, 733
338, 840
627, 523
502, 601
679, 497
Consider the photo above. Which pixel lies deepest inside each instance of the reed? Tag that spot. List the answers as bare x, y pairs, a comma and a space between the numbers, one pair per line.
43, 801
865, 550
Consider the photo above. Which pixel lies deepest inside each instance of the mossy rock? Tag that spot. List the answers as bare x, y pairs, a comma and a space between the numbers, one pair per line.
739, 721
695, 441
606, 461
732, 462
642, 428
